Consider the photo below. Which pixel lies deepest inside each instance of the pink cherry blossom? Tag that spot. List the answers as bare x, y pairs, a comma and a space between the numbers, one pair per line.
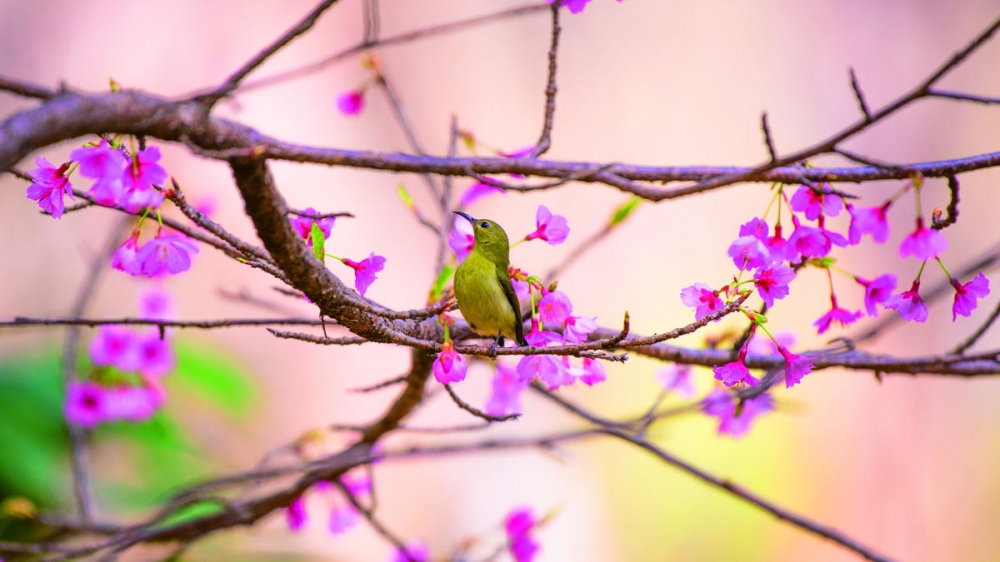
908, 304
85, 403
813, 242
772, 282
478, 191
796, 367
521, 288
296, 514
749, 251
303, 224
734, 373
546, 367
461, 239
734, 421
114, 346
132, 403
815, 205
518, 526
554, 308
126, 258
677, 378
589, 373
923, 243
365, 270
868, 220
966, 295
540, 338
139, 178
49, 186
415, 552
551, 228
877, 291
165, 254
351, 102
106, 165
450, 366
154, 356
577, 328
777, 247
155, 303
101, 162
836, 314
703, 299
505, 396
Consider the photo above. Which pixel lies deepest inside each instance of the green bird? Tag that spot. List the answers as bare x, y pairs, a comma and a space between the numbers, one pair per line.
482, 285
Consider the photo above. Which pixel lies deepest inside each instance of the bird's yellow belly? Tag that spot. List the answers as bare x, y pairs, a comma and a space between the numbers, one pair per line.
482, 301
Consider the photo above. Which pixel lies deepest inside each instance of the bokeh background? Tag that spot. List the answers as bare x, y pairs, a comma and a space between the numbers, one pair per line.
910, 467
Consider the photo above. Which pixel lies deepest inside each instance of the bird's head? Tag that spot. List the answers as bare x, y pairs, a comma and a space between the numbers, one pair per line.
490, 237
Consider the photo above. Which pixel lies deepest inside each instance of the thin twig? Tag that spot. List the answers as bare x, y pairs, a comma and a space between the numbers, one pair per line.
859, 94
402, 38
952, 210
475, 411
322, 340
26, 89
768, 141
961, 96
545, 138
234, 80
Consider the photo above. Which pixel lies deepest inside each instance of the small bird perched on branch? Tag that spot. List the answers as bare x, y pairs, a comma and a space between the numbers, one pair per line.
483, 288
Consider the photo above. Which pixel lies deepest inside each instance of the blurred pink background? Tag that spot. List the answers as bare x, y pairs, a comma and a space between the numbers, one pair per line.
909, 467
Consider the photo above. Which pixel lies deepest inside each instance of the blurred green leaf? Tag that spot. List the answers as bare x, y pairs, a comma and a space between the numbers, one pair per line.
624, 210
213, 377
319, 242
442, 280
33, 437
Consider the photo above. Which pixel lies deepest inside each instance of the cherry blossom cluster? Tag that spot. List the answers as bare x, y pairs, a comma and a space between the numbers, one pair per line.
132, 183
769, 263
129, 365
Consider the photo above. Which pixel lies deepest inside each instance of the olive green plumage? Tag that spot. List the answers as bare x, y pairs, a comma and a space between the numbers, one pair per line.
482, 285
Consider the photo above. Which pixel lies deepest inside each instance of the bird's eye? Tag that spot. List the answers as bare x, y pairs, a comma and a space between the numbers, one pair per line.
484, 224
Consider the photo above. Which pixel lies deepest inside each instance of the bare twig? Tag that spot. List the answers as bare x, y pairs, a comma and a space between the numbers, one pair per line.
545, 139
938, 224
26, 89
859, 95
475, 411
768, 141
399, 39
234, 80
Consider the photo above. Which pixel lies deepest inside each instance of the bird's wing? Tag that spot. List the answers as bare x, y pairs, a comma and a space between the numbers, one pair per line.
508, 290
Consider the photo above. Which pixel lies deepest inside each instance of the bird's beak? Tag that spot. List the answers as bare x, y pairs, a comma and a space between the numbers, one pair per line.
465, 216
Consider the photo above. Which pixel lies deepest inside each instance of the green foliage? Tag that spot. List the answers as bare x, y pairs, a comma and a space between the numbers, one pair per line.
33, 436
214, 378
624, 210
442, 281
319, 241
